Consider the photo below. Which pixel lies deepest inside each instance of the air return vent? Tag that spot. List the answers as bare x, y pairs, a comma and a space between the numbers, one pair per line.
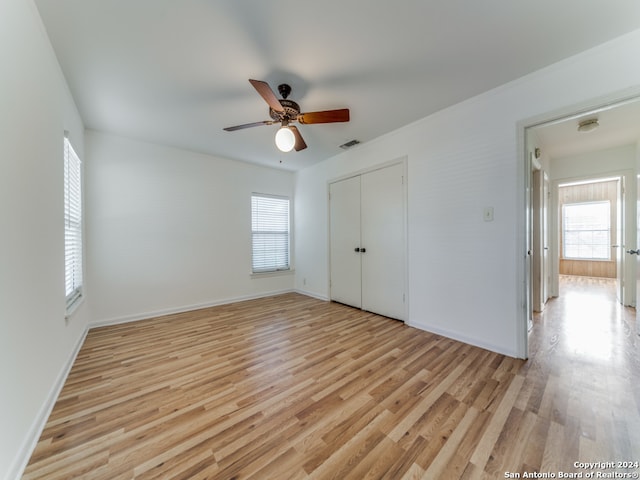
349, 144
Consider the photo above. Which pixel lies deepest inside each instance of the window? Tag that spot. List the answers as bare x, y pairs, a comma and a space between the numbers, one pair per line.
270, 233
586, 231
72, 225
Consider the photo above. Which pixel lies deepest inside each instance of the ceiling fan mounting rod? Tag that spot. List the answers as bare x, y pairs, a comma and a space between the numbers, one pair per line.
284, 90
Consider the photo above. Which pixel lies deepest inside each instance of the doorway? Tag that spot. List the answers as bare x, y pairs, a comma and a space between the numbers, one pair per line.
557, 150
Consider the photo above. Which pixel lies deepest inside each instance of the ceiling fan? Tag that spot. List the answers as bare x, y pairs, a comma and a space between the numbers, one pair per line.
285, 112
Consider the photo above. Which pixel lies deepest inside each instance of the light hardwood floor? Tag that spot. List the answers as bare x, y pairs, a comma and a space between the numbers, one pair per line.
290, 387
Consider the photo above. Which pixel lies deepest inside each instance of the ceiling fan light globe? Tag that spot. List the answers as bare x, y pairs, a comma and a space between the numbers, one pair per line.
285, 139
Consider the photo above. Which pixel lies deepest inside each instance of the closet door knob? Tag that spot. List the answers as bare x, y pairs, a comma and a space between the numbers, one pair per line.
362, 250
357, 249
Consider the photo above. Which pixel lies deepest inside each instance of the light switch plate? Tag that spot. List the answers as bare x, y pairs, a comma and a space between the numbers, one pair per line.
487, 214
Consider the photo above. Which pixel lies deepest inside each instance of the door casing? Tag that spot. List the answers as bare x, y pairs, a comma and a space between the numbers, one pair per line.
524, 219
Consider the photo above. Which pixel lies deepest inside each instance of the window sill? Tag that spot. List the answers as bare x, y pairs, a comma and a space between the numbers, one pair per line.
588, 259
276, 273
71, 309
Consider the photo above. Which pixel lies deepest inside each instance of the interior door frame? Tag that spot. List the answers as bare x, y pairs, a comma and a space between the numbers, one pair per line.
403, 161
524, 217
540, 254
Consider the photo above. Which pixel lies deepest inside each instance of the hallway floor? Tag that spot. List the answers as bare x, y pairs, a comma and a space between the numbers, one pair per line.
584, 352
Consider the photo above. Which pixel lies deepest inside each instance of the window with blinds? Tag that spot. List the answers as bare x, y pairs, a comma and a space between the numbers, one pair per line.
586, 231
270, 233
72, 224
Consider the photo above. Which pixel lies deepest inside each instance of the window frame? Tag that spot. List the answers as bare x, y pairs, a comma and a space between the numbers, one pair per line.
278, 265
73, 226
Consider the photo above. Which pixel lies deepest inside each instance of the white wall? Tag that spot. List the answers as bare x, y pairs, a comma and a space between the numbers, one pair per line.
593, 164
170, 230
36, 344
466, 276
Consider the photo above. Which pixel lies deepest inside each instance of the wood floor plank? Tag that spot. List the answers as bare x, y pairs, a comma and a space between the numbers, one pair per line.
442, 466
291, 387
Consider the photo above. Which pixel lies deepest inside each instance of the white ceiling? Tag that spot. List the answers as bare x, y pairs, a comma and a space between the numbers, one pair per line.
618, 125
175, 72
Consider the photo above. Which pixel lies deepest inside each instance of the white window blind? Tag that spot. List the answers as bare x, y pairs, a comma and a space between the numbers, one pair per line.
72, 224
586, 231
270, 233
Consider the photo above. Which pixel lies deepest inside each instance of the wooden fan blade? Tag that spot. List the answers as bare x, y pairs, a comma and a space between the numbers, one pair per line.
327, 116
265, 92
248, 125
300, 143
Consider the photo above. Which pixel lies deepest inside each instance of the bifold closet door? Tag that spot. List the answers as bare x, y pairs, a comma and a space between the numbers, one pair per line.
344, 212
382, 235
367, 241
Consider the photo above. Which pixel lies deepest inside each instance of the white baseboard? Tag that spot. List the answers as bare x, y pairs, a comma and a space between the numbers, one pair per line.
312, 295
33, 435
463, 338
182, 309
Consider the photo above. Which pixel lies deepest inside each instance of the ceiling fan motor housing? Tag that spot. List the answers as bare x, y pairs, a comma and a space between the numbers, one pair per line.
291, 111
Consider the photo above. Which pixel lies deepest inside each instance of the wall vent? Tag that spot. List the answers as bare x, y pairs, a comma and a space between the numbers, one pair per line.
349, 144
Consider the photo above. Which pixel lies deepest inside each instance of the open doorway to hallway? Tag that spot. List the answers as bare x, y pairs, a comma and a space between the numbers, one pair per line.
560, 153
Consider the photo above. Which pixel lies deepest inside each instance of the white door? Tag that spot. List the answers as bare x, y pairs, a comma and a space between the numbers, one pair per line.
618, 249
383, 242
546, 263
537, 241
344, 211
637, 246
529, 229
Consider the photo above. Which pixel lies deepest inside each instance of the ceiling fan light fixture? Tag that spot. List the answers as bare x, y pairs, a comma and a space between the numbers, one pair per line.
285, 139
588, 125
284, 112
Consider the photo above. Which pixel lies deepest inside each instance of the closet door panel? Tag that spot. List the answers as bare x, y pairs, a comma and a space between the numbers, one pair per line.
382, 234
344, 201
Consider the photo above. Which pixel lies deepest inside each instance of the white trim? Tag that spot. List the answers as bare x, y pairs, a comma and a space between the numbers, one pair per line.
272, 273
73, 224
462, 338
402, 160
71, 309
25, 451
182, 309
271, 214
324, 298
